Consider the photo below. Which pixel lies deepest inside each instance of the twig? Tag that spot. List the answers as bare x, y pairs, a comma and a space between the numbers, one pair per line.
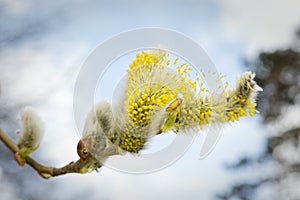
44, 171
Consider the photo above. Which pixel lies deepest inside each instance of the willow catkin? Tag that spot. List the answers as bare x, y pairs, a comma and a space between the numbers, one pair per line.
31, 133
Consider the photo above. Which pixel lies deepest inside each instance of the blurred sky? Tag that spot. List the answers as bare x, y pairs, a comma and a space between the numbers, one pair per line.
44, 43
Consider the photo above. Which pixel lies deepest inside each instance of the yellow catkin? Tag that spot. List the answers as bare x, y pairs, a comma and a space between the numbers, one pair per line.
147, 93
152, 86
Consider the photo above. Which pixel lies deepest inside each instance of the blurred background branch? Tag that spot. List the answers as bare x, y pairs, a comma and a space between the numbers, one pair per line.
278, 72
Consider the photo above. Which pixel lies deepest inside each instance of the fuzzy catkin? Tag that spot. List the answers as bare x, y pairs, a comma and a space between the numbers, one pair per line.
157, 98
32, 132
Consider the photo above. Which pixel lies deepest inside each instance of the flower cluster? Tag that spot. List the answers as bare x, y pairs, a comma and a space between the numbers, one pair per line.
151, 86
161, 96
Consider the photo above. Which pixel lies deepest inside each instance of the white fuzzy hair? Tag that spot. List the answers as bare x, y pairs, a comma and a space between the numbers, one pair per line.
32, 132
98, 125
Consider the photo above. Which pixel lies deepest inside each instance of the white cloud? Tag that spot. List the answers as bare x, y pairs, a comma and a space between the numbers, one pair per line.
261, 24
286, 121
15, 7
6, 190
